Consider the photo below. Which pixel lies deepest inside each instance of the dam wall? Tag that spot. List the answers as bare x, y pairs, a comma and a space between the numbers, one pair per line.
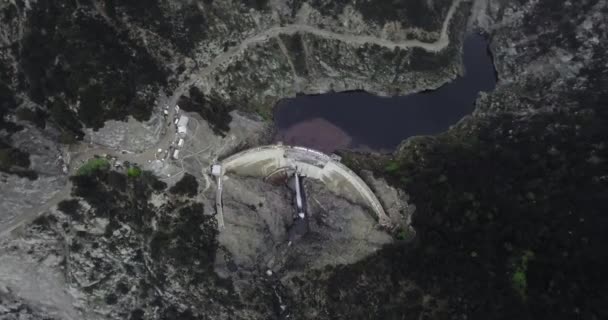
265, 160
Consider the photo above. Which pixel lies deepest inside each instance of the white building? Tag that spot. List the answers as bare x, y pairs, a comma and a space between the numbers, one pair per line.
216, 170
182, 126
180, 143
176, 154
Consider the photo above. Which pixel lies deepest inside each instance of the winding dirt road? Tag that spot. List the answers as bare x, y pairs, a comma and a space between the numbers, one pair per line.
274, 32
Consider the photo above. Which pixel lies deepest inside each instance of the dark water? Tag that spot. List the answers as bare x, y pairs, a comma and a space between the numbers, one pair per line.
381, 123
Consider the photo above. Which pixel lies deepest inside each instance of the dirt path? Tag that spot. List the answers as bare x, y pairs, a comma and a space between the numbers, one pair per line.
33, 213
264, 36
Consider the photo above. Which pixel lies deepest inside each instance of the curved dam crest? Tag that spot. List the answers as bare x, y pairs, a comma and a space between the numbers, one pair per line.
264, 161
360, 120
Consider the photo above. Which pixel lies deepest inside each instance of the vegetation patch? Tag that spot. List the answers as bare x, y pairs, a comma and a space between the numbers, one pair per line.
488, 194
15, 161
133, 172
93, 165
189, 239
295, 47
36, 116
71, 54
427, 15
256, 4
8, 103
210, 108
186, 186
184, 25
392, 167
519, 278
71, 208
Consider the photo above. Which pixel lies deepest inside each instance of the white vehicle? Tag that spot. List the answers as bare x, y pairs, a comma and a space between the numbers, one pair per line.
176, 154
159, 150
180, 143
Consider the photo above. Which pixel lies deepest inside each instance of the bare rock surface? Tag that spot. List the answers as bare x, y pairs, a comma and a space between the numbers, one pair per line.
258, 239
395, 202
259, 216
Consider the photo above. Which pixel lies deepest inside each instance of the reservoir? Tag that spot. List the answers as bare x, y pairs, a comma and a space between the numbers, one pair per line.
363, 121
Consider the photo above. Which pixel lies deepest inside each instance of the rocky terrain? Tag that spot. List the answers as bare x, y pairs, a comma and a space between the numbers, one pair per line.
509, 203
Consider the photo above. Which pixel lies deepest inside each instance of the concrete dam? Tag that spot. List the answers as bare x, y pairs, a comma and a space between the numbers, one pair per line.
271, 160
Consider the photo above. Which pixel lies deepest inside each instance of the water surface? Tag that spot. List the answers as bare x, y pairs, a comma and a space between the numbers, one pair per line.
360, 120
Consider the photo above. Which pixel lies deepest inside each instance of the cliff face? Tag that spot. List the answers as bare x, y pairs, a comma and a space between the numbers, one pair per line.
509, 202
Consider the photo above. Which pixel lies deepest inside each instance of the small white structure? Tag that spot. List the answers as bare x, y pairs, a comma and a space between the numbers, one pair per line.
176, 154
176, 108
216, 170
182, 126
180, 143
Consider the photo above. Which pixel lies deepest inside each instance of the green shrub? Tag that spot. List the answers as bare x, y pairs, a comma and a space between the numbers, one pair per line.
402, 234
133, 172
519, 279
210, 108
93, 165
71, 208
392, 167
186, 186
